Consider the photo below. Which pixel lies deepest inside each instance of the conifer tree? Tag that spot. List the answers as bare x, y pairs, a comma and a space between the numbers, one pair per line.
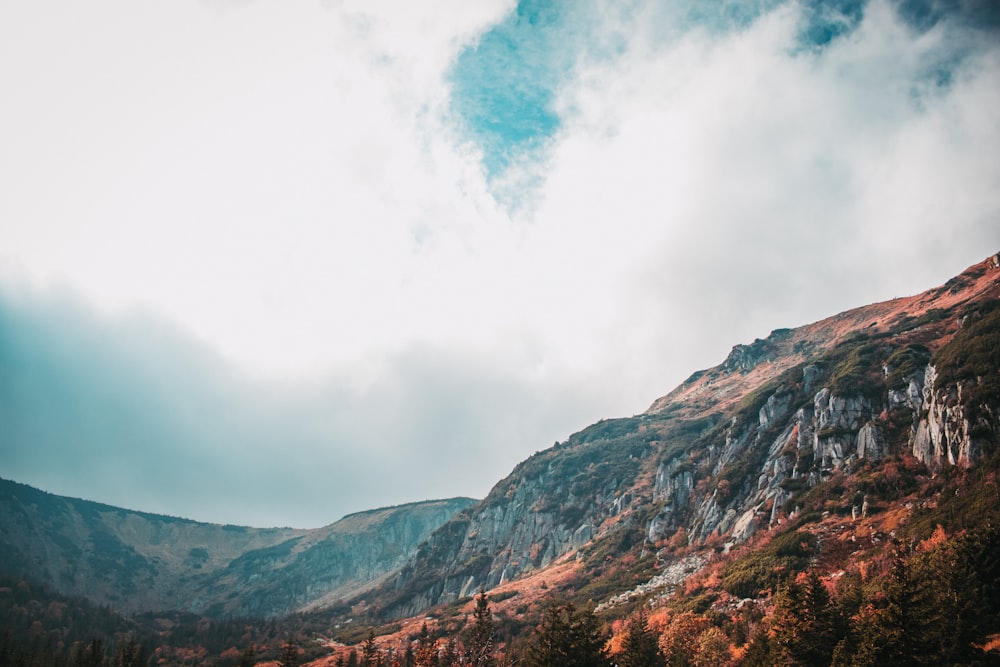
897, 630
568, 637
289, 654
640, 646
804, 623
370, 655
481, 641
90, 654
713, 648
758, 652
426, 654
449, 656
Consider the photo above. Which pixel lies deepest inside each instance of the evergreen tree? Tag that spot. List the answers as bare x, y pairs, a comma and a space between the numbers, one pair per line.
568, 637
640, 646
449, 656
898, 628
963, 578
89, 655
289, 654
247, 658
129, 654
481, 641
426, 654
370, 655
352, 659
804, 623
758, 653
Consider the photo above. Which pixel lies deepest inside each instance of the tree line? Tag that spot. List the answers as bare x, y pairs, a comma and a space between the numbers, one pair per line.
936, 602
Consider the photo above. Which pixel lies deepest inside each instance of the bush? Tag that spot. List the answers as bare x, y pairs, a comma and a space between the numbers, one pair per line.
762, 569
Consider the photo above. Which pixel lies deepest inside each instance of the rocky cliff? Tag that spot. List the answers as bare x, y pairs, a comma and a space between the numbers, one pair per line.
135, 561
735, 449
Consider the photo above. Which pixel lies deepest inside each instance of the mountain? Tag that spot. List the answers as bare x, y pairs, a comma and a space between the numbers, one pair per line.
815, 447
135, 561
852, 416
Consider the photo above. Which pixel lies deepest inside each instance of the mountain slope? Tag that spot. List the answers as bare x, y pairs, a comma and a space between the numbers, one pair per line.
138, 562
770, 433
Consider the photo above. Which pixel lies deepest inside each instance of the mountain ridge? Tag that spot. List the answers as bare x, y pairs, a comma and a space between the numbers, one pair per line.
138, 561
722, 455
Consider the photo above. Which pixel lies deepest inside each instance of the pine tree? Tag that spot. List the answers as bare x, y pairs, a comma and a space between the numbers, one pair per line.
804, 623
897, 630
129, 654
449, 656
247, 658
568, 637
758, 652
370, 655
640, 647
289, 654
481, 641
426, 654
89, 655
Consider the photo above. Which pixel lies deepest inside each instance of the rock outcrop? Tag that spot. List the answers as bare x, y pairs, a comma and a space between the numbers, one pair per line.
729, 452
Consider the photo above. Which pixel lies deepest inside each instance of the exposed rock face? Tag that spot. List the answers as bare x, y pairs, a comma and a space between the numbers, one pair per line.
137, 562
943, 435
871, 444
747, 357
723, 455
673, 486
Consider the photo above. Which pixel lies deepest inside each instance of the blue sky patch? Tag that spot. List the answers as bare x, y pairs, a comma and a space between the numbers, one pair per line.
504, 86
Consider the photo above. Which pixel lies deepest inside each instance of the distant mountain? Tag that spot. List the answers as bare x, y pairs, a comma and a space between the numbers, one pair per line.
853, 415
135, 561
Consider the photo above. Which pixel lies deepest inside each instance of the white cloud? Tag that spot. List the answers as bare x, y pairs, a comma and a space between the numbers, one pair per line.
284, 182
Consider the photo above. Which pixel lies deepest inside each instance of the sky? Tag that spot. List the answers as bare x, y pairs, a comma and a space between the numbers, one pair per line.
269, 263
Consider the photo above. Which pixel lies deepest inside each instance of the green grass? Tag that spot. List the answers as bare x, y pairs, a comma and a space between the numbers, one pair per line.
973, 356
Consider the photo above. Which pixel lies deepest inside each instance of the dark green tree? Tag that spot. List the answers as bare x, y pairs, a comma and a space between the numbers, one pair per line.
568, 637
640, 646
449, 655
898, 627
289, 654
129, 654
89, 655
426, 654
481, 639
247, 657
758, 653
370, 655
805, 628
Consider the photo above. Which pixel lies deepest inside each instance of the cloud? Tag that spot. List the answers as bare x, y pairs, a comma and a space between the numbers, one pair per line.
131, 411
734, 182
